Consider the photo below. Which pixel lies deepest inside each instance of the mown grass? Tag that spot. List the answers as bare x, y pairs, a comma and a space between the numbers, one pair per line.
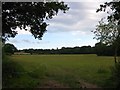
67, 69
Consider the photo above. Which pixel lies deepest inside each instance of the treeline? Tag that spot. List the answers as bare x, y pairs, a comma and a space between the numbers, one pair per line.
63, 50
100, 49
105, 50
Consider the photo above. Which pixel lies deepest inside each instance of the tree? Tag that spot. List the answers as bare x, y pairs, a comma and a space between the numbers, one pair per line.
99, 48
28, 14
109, 32
9, 48
114, 14
102, 49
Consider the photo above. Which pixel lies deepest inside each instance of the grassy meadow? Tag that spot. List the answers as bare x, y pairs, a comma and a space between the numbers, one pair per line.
68, 70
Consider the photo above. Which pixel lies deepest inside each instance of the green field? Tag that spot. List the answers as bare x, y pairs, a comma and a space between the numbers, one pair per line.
67, 70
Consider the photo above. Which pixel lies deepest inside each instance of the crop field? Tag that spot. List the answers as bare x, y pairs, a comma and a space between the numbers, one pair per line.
67, 70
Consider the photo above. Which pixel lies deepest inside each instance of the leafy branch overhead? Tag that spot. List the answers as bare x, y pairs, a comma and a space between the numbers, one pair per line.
106, 32
109, 31
113, 25
28, 14
115, 10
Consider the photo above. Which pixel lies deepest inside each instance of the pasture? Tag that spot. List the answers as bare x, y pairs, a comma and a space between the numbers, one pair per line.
67, 70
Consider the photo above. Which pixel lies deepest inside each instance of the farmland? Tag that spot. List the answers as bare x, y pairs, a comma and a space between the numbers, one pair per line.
67, 70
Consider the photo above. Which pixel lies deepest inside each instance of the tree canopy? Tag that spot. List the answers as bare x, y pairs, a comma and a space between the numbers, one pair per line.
28, 14
113, 18
109, 31
9, 48
114, 14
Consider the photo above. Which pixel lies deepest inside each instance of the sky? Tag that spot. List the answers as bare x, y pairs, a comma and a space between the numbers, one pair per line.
69, 29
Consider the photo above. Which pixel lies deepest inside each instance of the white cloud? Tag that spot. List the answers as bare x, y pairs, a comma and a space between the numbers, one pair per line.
80, 19
34, 42
78, 33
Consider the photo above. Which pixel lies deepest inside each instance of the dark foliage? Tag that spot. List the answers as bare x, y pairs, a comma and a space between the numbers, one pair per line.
103, 50
114, 16
100, 49
28, 14
9, 48
63, 50
115, 7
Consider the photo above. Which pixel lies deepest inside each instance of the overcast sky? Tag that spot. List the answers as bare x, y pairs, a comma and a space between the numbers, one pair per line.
66, 29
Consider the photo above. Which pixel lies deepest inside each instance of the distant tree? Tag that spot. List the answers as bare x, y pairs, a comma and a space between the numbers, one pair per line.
9, 48
63, 50
102, 49
109, 32
28, 14
99, 48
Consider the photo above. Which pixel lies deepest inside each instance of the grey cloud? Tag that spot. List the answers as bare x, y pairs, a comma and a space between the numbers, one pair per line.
81, 17
75, 5
76, 13
85, 27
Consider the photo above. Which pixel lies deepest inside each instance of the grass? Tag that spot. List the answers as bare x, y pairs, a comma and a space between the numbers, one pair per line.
14, 75
67, 69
